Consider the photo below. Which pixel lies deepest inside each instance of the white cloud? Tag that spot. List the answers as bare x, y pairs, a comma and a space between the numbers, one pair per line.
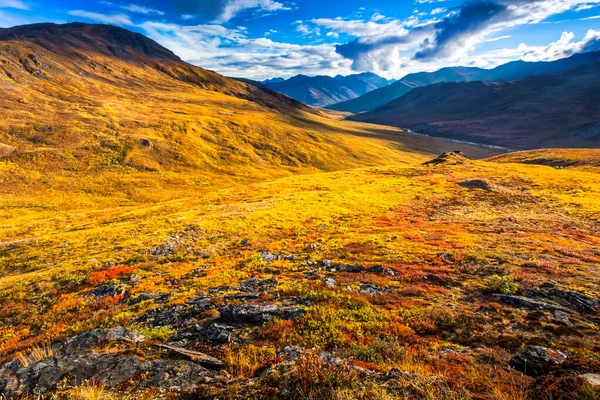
113, 19
231, 52
18, 4
141, 9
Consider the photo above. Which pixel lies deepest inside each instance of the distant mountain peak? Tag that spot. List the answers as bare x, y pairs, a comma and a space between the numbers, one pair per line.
323, 90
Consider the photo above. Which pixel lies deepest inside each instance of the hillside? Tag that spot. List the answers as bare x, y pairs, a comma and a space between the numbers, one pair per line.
401, 280
504, 73
541, 111
321, 91
97, 109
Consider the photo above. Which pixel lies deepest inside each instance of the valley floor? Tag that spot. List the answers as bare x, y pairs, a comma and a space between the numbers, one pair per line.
412, 281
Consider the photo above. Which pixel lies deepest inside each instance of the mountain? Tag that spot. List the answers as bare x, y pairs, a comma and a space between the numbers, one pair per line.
547, 110
321, 91
273, 80
96, 107
507, 72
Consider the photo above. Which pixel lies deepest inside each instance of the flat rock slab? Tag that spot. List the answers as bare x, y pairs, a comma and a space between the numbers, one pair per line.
203, 359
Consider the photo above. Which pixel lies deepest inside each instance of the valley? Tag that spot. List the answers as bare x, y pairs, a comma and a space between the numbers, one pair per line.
167, 232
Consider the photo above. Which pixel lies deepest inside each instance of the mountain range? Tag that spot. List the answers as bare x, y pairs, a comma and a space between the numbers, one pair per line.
321, 91
504, 73
546, 110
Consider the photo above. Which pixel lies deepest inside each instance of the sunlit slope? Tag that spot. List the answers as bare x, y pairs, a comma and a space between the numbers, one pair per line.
559, 158
103, 111
419, 221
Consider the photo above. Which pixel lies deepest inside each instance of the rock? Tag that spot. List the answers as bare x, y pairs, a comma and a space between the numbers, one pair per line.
120, 333
478, 184
267, 284
577, 300
435, 279
330, 282
326, 263
158, 298
111, 370
562, 318
376, 269
370, 289
351, 268
103, 291
262, 286
536, 361
253, 313
450, 158
591, 379
179, 315
203, 359
214, 333
249, 285
529, 304
145, 142
245, 242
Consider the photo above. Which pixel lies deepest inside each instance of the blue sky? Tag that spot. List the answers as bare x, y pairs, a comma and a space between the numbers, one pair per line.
260, 39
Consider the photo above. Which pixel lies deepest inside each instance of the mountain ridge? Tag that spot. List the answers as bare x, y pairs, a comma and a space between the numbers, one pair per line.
323, 90
514, 70
545, 110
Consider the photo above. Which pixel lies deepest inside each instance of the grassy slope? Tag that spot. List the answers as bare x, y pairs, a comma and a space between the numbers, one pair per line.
404, 217
74, 131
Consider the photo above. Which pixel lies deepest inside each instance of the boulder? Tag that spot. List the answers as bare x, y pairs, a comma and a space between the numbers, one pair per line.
254, 313
536, 361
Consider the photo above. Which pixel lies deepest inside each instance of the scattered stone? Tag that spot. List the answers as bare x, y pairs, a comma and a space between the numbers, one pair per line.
591, 379
145, 142
103, 291
253, 313
249, 285
121, 333
203, 359
271, 257
330, 282
536, 361
178, 315
376, 269
158, 298
370, 289
351, 268
245, 242
326, 263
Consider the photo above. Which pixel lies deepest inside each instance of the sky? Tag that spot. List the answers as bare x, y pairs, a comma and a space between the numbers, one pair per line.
261, 39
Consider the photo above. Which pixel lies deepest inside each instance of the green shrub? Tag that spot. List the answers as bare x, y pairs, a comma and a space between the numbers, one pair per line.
501, 284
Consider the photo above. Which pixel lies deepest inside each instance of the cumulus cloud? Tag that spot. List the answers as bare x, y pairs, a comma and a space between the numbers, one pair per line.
450, 39
223, 10
564, 47
233, 53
